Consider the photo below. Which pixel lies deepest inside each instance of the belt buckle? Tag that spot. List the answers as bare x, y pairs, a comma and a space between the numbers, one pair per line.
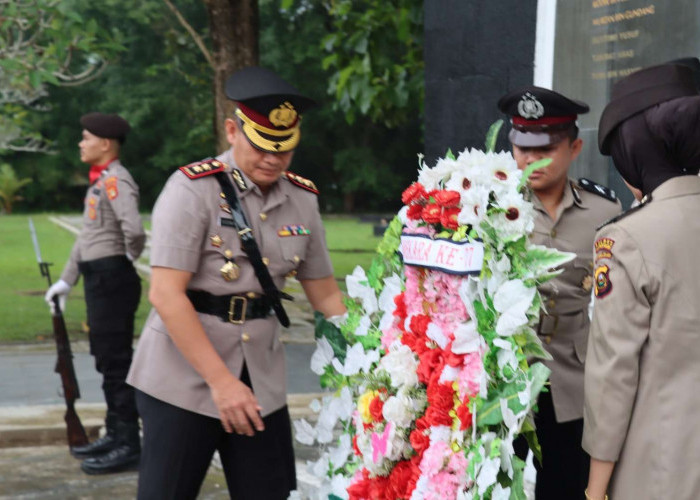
232, 310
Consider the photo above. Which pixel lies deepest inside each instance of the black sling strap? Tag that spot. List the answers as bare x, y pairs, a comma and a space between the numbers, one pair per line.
250, 247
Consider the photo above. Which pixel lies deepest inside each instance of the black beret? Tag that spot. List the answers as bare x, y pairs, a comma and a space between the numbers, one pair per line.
642, 90
539, 116
106, 126
269, 108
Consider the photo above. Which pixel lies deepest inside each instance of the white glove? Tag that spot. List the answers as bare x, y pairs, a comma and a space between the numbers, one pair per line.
129, 256
60, 288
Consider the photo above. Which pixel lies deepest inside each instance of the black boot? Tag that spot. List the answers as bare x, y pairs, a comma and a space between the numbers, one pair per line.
125, 456
101, 446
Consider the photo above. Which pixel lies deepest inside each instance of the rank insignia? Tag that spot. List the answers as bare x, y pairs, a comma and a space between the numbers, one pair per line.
603, 285
295, 230
216, 240
238, 179
92, 210
230, 271
111, 187
225, 207
202, 168
587, 283
300, 181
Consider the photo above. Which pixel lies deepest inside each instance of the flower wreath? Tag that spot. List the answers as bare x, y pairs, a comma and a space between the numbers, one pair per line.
430, 369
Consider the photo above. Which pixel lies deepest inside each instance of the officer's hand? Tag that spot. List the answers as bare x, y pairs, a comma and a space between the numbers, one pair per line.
60, 288
238, 407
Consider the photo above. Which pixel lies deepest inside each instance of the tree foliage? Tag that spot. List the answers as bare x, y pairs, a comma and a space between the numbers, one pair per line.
9, 187
375, 55
43, 42
162, 83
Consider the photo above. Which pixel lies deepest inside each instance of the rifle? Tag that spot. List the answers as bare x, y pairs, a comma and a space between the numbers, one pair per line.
64, 362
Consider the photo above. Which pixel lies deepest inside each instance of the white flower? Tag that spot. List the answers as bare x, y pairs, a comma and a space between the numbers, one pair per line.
343, 405
449, 374
402, 215
512, 300
398, 409
304, 432
518, 218
475, 202
358, 288
436, 334
356, 360
392, 287
500, 493
401, 364
505, 356
338, 455
294, 495
322, 356
320, 467
430, 178
363, 327
487, 474
467, 338
339, 486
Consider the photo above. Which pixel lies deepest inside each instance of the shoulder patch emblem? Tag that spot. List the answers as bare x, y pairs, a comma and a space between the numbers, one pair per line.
603, 285
202, 168
111, 187
238, 179
302, 182
595, 188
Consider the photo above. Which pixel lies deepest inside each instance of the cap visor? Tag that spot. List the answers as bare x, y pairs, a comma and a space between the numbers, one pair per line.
534, 139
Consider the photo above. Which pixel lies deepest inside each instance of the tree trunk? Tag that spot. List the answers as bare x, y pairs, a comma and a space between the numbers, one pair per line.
234, 35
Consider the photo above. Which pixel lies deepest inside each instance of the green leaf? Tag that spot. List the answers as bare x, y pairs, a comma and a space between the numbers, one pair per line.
531, 168
492, 135
324, 328
392, 238
286, 4
450, 155
539, 260
517, 486
530, 433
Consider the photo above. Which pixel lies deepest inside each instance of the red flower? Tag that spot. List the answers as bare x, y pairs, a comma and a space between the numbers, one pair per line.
453, 359
435, 416
360, 489
379, 488
447, 198
449, 218
415, 193
431, 213
464, 415
431, 363
402, 480
375, 409
414, 212
356, 448
418, 438
400, 302
441, 396
419, 324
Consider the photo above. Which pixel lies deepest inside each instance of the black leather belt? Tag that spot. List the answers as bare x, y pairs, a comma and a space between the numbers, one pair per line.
113, 263
234, 309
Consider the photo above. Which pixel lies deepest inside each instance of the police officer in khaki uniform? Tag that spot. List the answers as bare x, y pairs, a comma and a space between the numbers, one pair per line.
567, 214
111, 237
641, 397
209, 367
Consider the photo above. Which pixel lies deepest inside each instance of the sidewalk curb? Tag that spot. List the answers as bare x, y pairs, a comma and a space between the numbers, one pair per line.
42, 425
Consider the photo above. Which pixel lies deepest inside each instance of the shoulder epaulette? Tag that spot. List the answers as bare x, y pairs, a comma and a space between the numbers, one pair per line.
645, 201
302, 182
202, 168
595, 188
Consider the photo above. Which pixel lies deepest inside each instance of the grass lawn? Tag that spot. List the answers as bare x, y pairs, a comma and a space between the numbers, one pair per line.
25, 316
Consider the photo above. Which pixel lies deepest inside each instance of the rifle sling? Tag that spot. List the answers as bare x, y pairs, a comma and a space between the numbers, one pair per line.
250, 247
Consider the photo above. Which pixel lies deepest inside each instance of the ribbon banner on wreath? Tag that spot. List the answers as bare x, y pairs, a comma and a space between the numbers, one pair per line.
429, 375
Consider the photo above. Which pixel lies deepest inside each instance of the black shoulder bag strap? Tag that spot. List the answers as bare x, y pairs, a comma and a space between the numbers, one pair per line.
250, 247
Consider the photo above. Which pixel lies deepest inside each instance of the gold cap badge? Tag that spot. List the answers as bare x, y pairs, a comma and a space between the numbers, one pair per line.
283, 116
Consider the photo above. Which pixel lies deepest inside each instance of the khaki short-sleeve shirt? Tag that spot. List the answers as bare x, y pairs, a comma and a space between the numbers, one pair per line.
193, 231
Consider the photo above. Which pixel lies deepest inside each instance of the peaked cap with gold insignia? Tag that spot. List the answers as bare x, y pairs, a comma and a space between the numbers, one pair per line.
269, 108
